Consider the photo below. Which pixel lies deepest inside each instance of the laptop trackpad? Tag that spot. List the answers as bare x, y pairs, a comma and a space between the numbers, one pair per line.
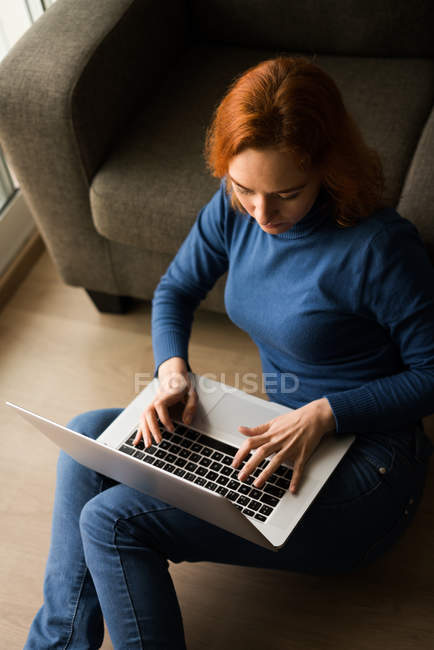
231, 411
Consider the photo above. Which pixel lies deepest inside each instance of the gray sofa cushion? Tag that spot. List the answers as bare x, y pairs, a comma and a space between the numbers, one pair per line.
142, 195
348, 27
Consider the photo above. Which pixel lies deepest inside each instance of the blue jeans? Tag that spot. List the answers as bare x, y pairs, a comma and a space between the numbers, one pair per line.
111, 544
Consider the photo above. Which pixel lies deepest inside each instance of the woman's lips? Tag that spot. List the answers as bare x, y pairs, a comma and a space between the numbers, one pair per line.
273, 225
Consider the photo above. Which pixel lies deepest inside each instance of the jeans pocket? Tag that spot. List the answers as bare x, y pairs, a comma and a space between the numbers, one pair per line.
361, 471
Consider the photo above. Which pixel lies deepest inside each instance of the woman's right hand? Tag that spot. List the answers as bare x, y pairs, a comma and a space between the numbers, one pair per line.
176, 385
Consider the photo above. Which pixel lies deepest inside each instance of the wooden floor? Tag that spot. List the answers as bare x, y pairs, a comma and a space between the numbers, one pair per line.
59, 357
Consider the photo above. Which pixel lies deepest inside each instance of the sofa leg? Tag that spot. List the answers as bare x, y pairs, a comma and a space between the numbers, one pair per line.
110, 304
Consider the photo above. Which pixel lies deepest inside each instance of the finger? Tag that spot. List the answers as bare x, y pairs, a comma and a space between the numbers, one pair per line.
190, 406
263, 477
138, 437
254, 431
246, 447
147, 438
252, 464
296, 476
151, 420
163, 414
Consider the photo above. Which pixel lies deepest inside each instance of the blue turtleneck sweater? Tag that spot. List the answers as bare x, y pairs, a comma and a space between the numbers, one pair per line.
341, 313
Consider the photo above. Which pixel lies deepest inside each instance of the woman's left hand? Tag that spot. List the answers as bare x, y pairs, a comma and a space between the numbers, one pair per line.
293, 437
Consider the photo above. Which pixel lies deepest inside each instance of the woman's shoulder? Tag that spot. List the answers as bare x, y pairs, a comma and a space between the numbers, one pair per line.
383, 226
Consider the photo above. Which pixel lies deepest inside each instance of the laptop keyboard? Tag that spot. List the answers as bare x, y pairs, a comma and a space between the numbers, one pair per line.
206, 461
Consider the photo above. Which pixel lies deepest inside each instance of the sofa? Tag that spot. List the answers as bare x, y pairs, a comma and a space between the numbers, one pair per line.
104, 107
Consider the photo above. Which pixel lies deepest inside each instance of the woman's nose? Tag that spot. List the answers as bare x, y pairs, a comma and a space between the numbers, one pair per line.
264, 212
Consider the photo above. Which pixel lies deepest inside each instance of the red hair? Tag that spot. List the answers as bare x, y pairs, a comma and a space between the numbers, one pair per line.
290, 103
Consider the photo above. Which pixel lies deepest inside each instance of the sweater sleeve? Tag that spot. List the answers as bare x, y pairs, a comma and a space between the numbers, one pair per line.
397, 290
199, 262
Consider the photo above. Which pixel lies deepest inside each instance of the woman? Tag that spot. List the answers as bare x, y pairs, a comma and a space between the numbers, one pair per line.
335, 288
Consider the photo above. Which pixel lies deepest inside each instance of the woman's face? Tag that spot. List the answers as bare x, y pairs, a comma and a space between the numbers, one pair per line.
272, 189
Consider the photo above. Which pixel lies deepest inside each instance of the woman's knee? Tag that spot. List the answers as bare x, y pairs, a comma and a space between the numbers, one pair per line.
96, 521
93, 423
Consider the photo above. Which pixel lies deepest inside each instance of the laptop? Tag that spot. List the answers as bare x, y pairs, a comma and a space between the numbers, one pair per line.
191, 467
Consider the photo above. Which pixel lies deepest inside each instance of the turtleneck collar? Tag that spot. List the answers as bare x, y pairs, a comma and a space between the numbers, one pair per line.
318, 213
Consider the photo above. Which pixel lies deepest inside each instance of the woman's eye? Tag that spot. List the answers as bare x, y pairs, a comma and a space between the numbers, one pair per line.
288, 198
279, 196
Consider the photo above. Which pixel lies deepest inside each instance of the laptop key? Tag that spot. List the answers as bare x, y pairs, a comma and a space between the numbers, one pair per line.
169, 468
260, 517
127, 450
206, 451
248, 513
244, 489
217, 455
222, 480
201, 470
211, 486
195, 458
222, 490
271, 501
226, 471
284, 483
243, 501
174, 449
179, 472
170, 458
265, 510
199, 480
190, 477
180, 462
218, 445
233, 496
255, 494
149, 459
196, 447
185, 453
190, 467
274, 490
161, 454
139, 454
234, 485
159, 463
211, 476
254, 505
216, 466
227, 460
206, 462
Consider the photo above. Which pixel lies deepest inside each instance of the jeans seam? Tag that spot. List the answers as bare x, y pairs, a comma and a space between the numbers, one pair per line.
71, 629
126, 582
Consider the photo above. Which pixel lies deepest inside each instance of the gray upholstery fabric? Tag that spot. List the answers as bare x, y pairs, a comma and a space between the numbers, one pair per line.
104, 106
417, 198
62, 104
151, 187
352, 27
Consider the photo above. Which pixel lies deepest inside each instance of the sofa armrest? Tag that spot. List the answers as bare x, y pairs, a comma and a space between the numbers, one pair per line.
417, 197
66, 89
88, 63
